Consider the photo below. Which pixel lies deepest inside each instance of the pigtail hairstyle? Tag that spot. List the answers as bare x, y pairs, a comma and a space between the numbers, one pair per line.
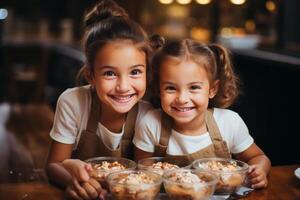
156, 42
215, 60
228, 86
107, 22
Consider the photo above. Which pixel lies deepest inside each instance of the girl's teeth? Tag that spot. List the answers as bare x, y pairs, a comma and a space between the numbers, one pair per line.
122, 98
184, 109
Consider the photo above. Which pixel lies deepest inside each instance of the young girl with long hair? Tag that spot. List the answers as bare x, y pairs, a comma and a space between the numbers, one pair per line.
98, 119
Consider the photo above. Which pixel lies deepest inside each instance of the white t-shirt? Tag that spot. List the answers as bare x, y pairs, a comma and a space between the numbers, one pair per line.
232, 127
71, 117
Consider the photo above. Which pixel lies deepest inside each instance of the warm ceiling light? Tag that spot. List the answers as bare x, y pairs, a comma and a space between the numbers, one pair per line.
238, 2
203, 2
226, 31
176, 11
250, 26
165, 1
271, 6
184, 1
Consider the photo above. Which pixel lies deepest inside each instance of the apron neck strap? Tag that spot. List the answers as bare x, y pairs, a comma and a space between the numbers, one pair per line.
212, 126
130, 122
94, 112
166, 129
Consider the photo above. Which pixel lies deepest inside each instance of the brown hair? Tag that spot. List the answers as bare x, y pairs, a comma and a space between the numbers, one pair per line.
214, 58
107, 22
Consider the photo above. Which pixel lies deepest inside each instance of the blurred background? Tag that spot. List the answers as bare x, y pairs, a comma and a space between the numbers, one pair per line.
40, 55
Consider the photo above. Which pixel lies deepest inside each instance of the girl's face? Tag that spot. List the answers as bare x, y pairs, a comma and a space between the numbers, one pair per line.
185, 91
120, 75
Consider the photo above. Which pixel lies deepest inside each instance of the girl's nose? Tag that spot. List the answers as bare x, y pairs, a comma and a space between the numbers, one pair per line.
182, 98
122, 85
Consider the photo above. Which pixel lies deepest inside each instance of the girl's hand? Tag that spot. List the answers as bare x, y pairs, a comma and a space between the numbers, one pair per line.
78, 169
86, 190
257, 177
90, 189
71, 194
82, 186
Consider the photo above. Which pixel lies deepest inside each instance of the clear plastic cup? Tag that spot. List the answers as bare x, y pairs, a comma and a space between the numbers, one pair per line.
182, 184
134, 185
231, 173
99, 173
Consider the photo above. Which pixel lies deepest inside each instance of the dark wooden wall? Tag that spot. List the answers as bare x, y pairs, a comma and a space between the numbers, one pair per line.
270, 103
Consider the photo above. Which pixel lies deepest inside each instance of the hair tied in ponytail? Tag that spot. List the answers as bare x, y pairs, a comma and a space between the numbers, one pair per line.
157, 41
103, 10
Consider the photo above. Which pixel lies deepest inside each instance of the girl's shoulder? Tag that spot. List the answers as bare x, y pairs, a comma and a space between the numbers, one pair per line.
228, 118
76, 94
151, 116
225, 114
150, 123
77, 99
144, 107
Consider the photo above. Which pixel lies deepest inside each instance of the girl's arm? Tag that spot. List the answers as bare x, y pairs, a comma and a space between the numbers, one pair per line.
140, 154
55, 171
259, 165
77, 188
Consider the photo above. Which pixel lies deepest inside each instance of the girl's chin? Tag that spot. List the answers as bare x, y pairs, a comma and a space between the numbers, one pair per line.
122, 110
123, 107
182, 115
182, 121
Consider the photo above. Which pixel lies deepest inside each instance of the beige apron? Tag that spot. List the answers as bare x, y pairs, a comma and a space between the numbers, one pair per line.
218, 148
91, 145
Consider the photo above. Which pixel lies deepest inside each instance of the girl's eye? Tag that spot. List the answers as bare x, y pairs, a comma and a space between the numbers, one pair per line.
195, 87
109, 73
170, 88
136, 72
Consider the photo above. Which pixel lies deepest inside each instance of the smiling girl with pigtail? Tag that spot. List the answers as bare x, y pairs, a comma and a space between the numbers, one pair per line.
194, 84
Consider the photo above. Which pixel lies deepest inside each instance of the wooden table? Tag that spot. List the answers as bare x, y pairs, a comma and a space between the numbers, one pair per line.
283, 185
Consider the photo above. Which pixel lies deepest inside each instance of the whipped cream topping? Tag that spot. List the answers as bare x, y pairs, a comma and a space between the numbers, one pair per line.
184, 177
164, 165
109, 166
136, 179
219, 166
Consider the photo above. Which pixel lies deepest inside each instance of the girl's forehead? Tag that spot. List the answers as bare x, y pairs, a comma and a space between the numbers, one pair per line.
174, 61
186, 69
119, 43
120, 51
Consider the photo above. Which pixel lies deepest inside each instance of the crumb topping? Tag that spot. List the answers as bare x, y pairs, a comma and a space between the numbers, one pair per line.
164, 165
220, 166
136, 179
184, 177
109, 166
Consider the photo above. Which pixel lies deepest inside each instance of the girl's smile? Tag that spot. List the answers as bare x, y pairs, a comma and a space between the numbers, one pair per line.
183, 110
122, 99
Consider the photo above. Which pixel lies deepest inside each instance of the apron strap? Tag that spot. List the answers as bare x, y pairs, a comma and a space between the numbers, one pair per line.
220, 146
95, 111
88, 141
130, 122
212, 126
166, 129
